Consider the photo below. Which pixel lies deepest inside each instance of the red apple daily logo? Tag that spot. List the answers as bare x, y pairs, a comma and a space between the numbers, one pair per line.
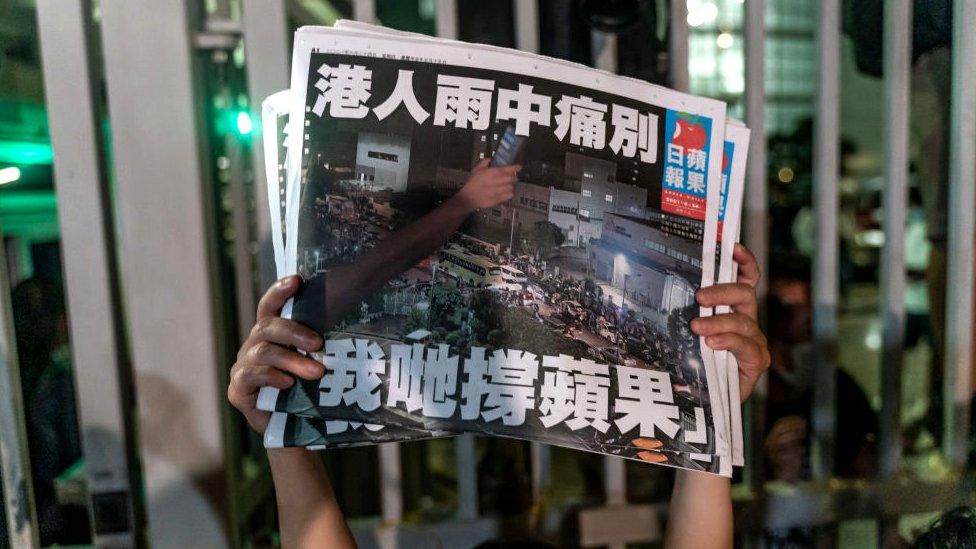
686, 139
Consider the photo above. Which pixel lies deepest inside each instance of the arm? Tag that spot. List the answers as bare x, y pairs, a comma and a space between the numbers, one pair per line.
349, 284
308, 513
701, 503
701, 511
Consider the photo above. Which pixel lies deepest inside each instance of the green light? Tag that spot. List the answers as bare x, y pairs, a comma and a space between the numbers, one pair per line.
244, 125
25, 152
9, 175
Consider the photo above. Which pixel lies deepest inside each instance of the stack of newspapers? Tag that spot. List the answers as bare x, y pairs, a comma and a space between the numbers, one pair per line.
501, 243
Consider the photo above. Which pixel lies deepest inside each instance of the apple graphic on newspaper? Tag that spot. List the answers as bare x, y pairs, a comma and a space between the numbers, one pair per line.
689, 135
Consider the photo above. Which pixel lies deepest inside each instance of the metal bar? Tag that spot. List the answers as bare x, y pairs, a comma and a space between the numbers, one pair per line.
604, 50
825, 266
244, 284
961, 245
364, 10
246, 310
15, 474
678, 44
541, 469
464, 450
88, 247
756, 209
447, 19
266, 50
167, 233
756, 201
615, 480
464, 453
615, 485
897, 58
527, 25
391, 479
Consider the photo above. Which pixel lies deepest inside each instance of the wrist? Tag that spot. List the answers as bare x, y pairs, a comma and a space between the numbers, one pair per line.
463, 202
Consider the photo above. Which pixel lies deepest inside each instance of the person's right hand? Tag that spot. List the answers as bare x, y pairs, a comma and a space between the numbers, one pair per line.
488, 186
267, 356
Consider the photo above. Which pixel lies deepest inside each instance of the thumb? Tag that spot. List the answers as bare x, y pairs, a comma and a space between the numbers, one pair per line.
277, 295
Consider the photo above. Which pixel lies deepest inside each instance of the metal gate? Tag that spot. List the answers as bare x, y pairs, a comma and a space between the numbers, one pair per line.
149, 311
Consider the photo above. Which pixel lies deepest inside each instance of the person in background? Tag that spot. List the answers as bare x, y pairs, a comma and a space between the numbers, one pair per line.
956, 528
791, 380
310, 516
41, 328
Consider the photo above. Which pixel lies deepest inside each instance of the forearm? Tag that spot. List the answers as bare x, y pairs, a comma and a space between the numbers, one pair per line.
701, 511
349, 284
308, 514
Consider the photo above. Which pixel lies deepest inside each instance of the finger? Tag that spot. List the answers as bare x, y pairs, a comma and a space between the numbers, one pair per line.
285, 359
285, 332
652, 457
736, 323
748, 266
503, 185
248, 380
481, 164
502, 178
277, 295
751, 356
738, 296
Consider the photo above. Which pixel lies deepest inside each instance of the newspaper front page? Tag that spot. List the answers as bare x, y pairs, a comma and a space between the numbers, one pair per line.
560, 315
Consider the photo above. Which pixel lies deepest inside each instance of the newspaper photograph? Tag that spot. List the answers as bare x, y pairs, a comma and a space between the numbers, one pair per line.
590, 267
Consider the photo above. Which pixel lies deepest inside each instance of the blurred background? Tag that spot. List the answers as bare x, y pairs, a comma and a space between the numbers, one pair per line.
132, 194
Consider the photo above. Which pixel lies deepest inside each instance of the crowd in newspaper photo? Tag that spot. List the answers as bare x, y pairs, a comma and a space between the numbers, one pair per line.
556, 312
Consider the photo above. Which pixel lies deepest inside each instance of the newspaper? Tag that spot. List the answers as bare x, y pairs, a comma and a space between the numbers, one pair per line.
296, 439
320, 433
733, 169
737, 139
703, 395
730, 216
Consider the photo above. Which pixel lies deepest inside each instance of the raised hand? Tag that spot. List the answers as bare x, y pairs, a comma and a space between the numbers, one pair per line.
267, 356
488, 186
737, 332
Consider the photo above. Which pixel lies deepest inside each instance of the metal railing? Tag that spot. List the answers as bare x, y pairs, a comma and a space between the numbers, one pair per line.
168, 274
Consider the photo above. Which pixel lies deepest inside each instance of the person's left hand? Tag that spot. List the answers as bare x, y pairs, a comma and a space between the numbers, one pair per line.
737, 332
